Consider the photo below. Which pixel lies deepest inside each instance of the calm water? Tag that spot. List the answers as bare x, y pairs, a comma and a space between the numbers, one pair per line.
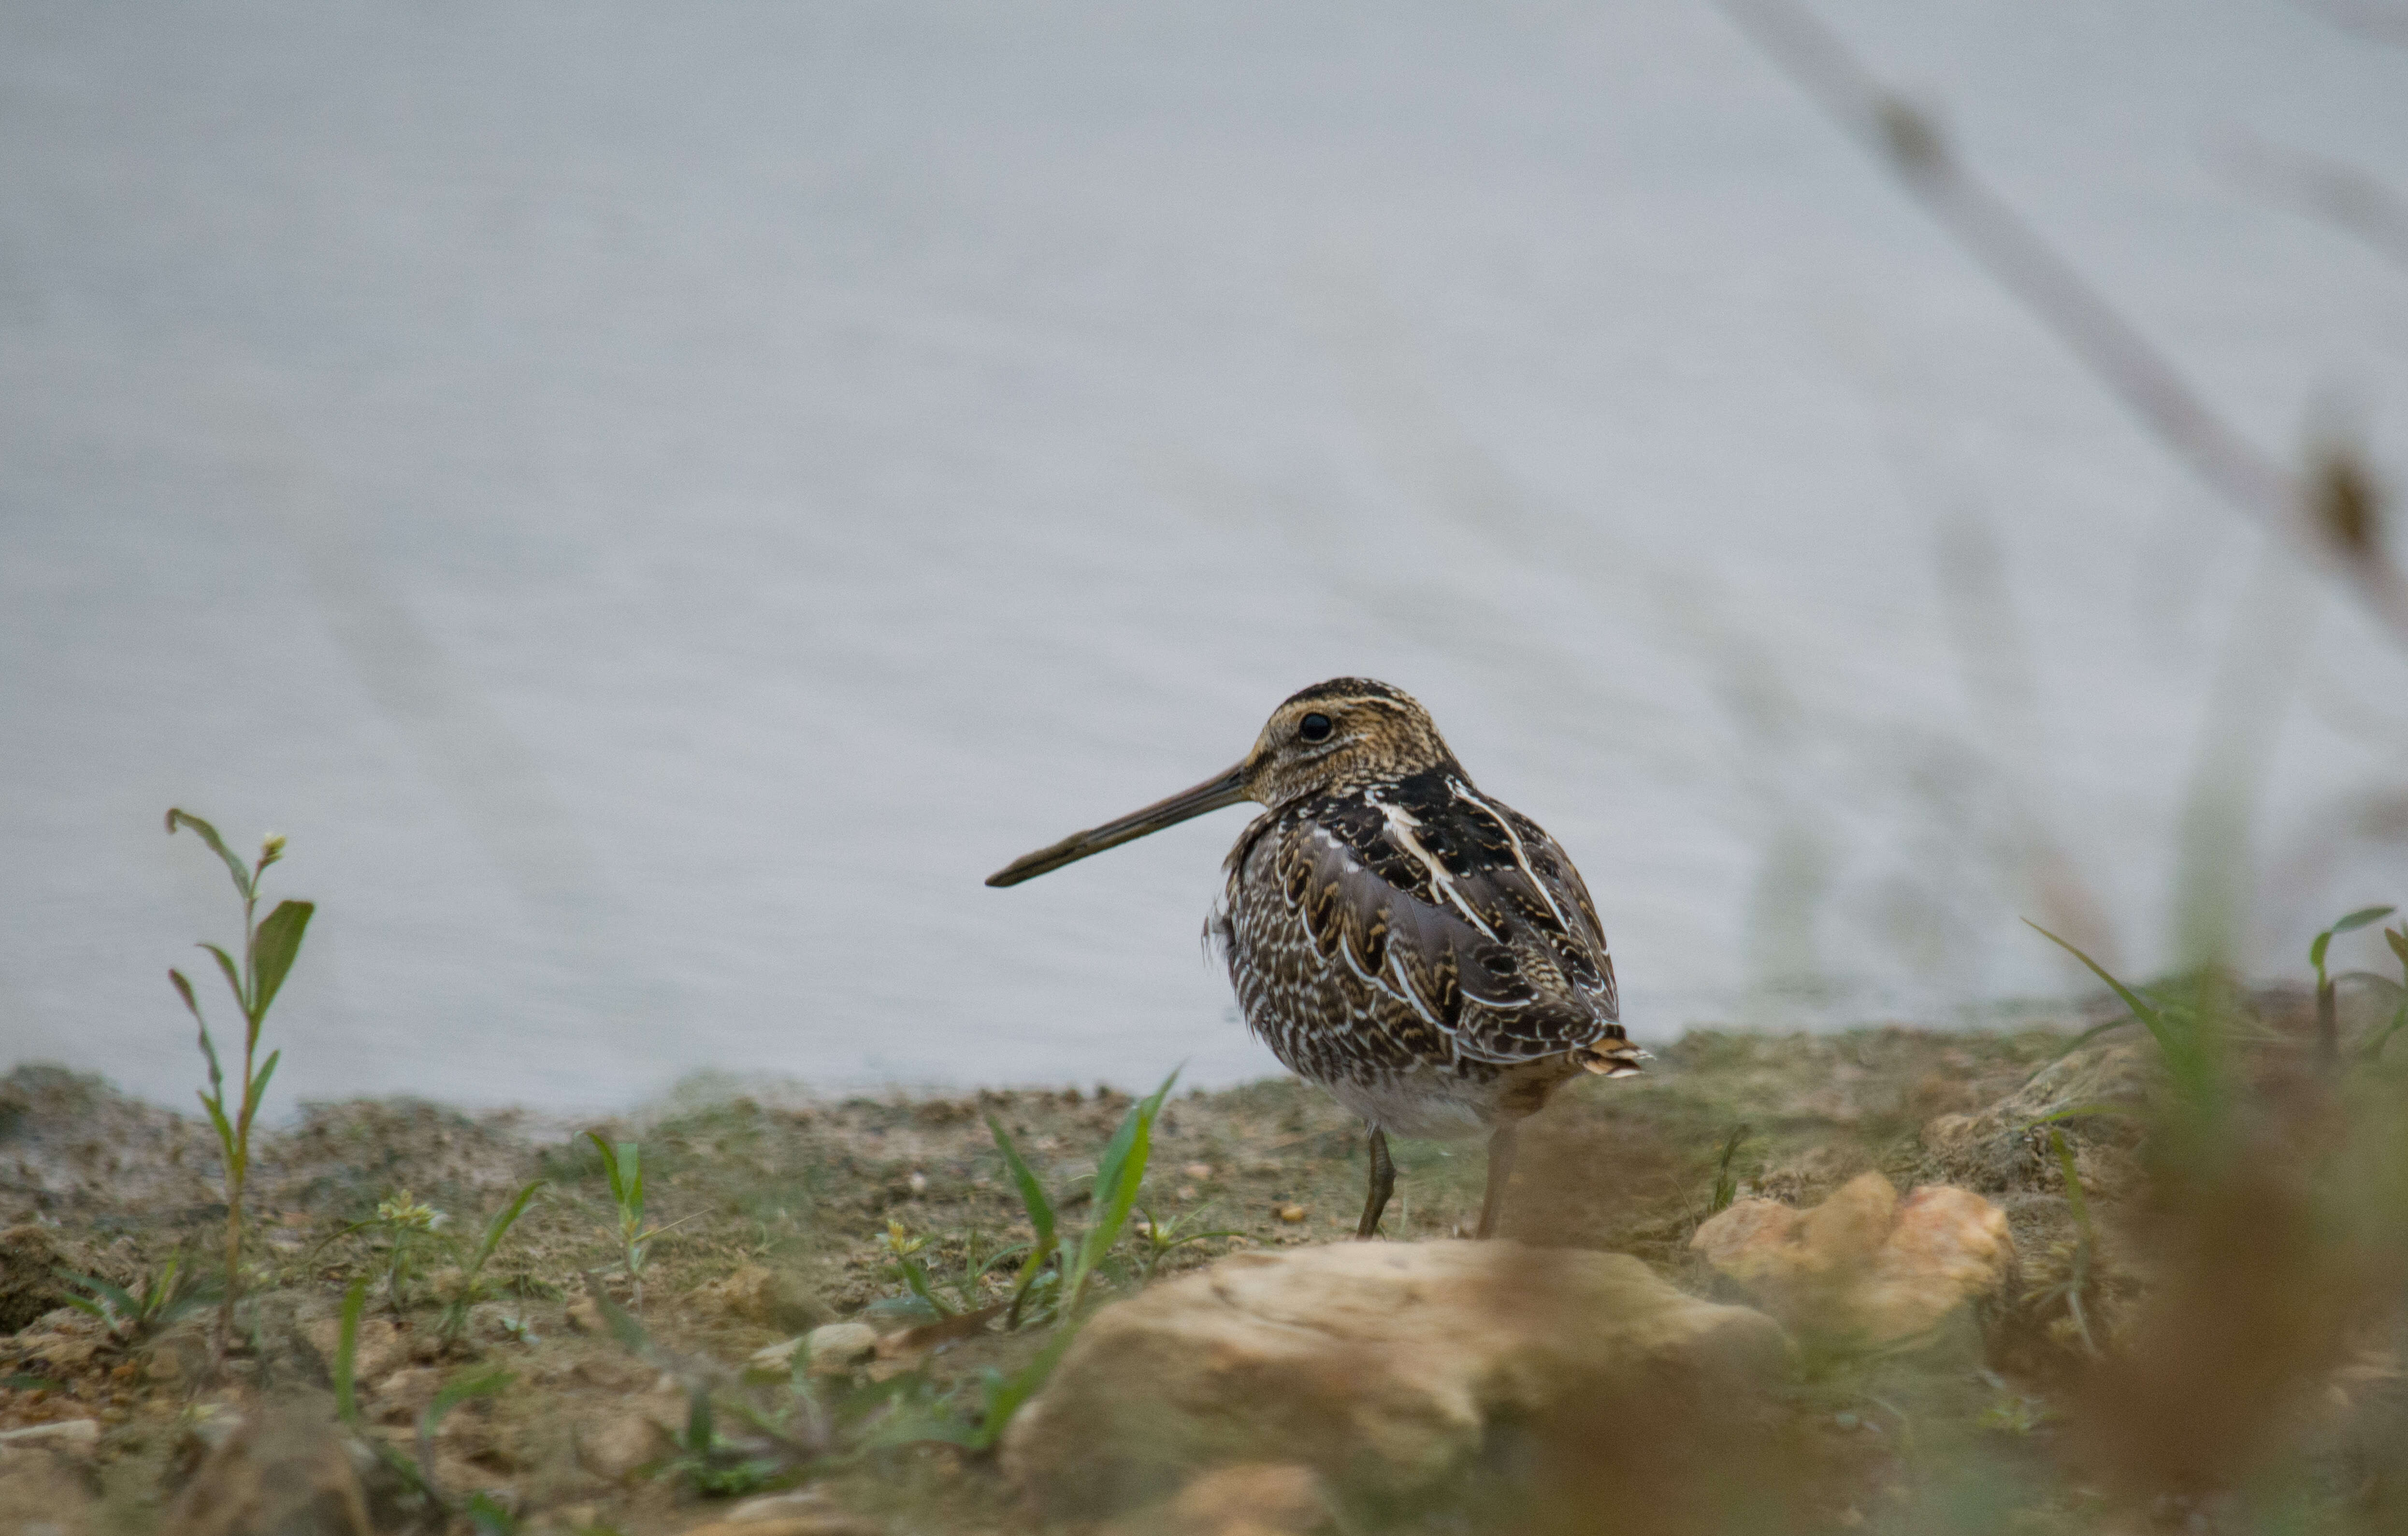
656, 502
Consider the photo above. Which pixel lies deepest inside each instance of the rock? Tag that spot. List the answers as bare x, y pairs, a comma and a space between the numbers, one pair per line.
834, 1348
1382, 1367
1864, 1263
61, 1343
757, 1294
76, 1436
284, 1473
30, 1259
805, 1512
378, 1350
44, 1496
1995, 1149
402, 1396
775, 1359
1244, 1500
621, 1445
826, 1523
586, 1317
780, 1506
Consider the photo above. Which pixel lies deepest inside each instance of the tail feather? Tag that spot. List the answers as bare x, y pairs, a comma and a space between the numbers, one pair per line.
1613, 1057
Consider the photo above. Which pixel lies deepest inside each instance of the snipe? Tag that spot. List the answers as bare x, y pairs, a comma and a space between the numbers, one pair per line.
1424, 952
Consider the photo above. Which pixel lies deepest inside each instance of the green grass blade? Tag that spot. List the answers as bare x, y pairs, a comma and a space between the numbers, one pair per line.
1024, 1178
1119, 1174
2079, 1112
609, 1164
1006, 1395
2398, 1020
482, 1383
232, 974
347, 1345
2141, 1009
112, 1297
259, 1088
223, 1127
621, 1324
272, 953
1040, 1215
500, 1225
184, 990
2360, 918
2074, 1198
217, 846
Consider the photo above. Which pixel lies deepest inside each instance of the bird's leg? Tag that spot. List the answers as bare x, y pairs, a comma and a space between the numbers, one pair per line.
1383, 1182
1501, 1169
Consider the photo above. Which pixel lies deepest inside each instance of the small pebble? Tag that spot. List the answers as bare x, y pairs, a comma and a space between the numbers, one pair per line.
919, 1182
1292, 1212
1197, 1171
840, 1347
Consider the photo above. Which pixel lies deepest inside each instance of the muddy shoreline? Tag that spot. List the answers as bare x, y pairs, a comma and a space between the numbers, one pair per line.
780, 1217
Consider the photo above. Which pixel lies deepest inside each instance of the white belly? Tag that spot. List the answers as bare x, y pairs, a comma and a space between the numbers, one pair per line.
1438, 1106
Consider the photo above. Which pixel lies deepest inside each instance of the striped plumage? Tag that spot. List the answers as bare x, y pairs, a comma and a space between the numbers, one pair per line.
1423, 951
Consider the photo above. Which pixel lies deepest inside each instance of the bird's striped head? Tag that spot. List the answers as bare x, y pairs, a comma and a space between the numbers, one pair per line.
1333, 737
1341, 735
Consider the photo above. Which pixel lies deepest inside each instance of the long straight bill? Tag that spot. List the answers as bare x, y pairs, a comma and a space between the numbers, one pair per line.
1211, 795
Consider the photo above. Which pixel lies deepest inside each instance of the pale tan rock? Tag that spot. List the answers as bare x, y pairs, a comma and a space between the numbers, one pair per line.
402, 1396
622, 1445
1379, 1366
816, 1523
75, 1436
42, 1495
1253, 1499
283, 1473
780, 1506
755, 1293
1864, 1262
63, 1342
833, 1348
584, 1316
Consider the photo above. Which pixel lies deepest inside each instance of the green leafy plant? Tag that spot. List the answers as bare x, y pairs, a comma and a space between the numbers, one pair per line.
789, 1425
2398, 938
625, 1164
1120, 1170
1118, 1173
713, 1464
925, 1295
2189, 1041
468, 1288
407, 1225
1043, 1219
132, 1315
404, 1220
2327, 1012
1726, 1171
479, 1510
1162, 1239
269, 950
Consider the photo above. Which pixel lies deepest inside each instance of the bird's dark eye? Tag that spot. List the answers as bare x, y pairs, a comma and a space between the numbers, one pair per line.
1313, 728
